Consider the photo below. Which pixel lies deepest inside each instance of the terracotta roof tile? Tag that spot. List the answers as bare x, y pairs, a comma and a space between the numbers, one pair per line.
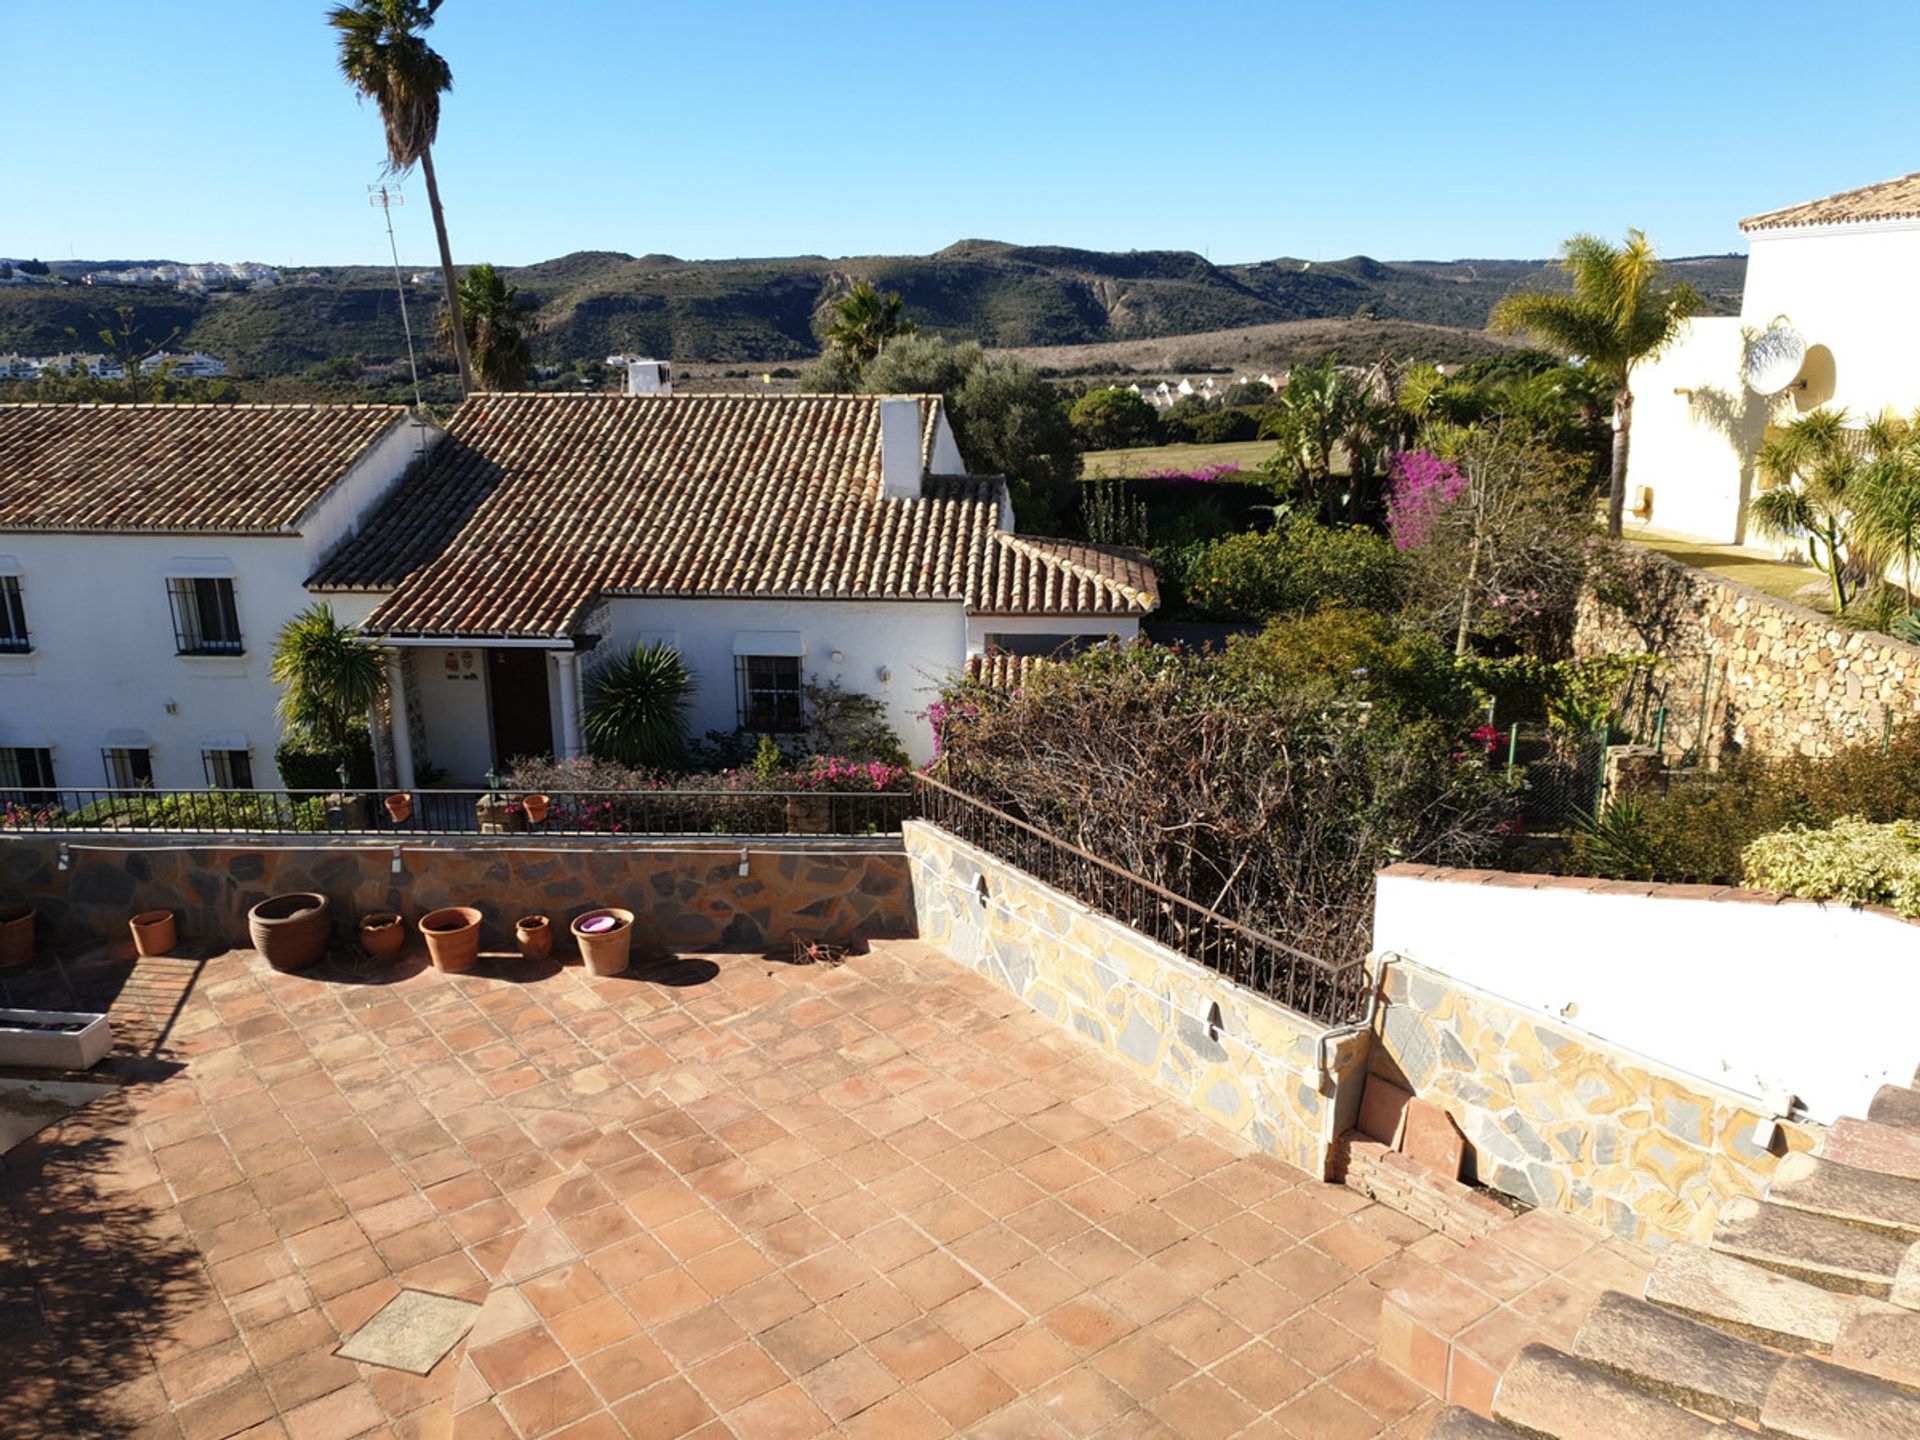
1003, 671
535, 507
248, 469
1897, 199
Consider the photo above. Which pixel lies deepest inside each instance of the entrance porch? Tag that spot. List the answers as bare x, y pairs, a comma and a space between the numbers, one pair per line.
471, 710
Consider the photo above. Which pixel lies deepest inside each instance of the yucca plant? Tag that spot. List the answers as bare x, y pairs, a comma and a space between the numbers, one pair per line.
636, 710
329, 677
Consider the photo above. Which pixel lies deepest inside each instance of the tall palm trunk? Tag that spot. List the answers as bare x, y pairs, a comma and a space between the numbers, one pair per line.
446, 271
1617, 482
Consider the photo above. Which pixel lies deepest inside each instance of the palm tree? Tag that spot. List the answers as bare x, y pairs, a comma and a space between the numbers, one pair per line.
863, 322
1885, 503
1616, 314
329, 677
1816, 467
384, 58
637, 708
499, 329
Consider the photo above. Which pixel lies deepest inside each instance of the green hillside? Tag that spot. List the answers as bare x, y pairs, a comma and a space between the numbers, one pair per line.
763, 311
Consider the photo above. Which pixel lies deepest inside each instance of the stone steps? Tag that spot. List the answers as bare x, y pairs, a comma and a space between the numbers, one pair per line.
1747, 1301
1678, 1359
1829, 1253
1867, 1198
1548, 1392
1897, 1106
1867, 1145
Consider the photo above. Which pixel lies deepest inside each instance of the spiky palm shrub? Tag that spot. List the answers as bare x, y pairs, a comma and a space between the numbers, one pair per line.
329, 678
637, 708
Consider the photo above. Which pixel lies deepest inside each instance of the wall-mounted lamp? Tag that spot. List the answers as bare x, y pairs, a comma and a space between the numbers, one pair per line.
66, 859
399, 866
839, 657
173, 707
886, 675
746, 864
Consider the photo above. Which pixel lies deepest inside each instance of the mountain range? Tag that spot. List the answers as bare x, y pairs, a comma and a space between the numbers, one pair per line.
765, 311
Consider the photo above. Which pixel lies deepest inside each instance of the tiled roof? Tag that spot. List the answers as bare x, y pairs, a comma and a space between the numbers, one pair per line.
1001, 671
250, 469
1897, 199
535, 507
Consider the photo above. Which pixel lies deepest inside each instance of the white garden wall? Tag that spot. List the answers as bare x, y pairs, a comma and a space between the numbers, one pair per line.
1754, 994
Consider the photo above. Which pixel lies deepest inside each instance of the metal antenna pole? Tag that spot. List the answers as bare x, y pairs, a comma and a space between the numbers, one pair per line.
386, 199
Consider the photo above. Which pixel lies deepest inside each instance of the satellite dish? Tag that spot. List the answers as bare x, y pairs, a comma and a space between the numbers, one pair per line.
1774, 361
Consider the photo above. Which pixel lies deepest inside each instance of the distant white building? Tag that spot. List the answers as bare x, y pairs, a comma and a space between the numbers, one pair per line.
197, 366
100, 367
212, 275
18, 367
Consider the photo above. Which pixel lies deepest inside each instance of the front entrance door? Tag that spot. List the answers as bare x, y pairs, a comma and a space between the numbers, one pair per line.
517, 692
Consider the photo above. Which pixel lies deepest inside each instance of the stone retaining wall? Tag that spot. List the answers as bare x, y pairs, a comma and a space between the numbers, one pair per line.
1255, 1068
685, 895
1776, 678
1560, 1119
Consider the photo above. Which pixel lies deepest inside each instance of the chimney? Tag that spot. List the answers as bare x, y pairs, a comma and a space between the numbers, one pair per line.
900, 472
649, 377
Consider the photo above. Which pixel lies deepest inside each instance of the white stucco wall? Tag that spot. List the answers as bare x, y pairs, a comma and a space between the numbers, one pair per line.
919, 644
1696, 427
103, 646
1851, 289
1763, 999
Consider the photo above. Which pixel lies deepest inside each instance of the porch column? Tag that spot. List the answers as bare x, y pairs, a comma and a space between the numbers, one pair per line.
397, 715
572, 741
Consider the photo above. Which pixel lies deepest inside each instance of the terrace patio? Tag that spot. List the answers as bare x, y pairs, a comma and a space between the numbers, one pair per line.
722, 1195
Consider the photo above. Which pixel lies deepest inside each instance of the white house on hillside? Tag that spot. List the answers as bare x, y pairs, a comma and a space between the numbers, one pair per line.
148, 555
769, 538
1833, 279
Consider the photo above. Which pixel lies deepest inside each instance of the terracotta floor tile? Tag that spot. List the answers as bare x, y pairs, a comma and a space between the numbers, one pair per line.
848, 1384
550, 1403
1204, 1409
783, 1414
1083, 1401
916, 1349
625, 1367
1143, 1366
1323, 1413
1262, 1374
809, 1339
735, 1376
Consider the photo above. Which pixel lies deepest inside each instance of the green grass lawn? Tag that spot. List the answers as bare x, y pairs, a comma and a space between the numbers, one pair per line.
1126, 464
1770, 576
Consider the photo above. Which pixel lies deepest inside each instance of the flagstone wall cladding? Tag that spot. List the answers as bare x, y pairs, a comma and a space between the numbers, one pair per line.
684, 897
1139, 1001
1784, 680
1561, 1120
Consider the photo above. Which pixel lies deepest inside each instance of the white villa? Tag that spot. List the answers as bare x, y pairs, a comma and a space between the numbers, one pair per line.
149, 554
1837, 273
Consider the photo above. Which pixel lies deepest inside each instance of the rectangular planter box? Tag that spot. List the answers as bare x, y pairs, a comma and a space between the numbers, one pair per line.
53, 1049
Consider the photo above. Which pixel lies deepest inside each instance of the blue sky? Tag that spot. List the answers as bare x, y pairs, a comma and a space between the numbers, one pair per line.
1400, 130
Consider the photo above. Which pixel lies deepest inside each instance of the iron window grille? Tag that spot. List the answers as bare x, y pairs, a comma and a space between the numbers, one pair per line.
25, 767
228, 769
129, 767
13, 618
768, 692
205, 619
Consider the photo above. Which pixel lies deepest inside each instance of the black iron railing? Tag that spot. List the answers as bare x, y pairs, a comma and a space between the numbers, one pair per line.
1335, 994
417, 813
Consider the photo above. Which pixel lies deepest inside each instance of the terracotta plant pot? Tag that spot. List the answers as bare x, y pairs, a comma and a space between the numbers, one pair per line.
537, 806
399, 807
604, 948
16, 934
291, 931
154, 932
452, 934
535, 936
383, 934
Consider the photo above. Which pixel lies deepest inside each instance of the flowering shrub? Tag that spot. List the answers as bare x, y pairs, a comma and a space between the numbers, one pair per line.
1852, 861
1198, 475
15, 816
1423, 486
745, 800
851, 777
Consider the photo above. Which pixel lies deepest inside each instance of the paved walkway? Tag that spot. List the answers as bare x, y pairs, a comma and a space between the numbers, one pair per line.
724, 1195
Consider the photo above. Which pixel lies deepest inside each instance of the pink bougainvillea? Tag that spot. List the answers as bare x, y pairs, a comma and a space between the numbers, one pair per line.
1423, 486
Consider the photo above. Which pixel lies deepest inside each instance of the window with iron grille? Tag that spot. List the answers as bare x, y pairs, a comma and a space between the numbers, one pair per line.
228, 769
25, 767
205, 621
13, 618
768, 689
129, 767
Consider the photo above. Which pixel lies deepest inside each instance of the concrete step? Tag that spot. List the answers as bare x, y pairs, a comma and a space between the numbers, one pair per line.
1678, 1359
1456, 1423
1896, 1105
1745, 1300
1869, 1198
1870, 1146
1829, 1253
1812, 1400
1546, 1392
1883, 1341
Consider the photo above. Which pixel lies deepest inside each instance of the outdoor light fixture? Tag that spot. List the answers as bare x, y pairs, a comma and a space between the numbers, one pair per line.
342, 773
746, 864
493, 780
399, 867
886, 675
65, 858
